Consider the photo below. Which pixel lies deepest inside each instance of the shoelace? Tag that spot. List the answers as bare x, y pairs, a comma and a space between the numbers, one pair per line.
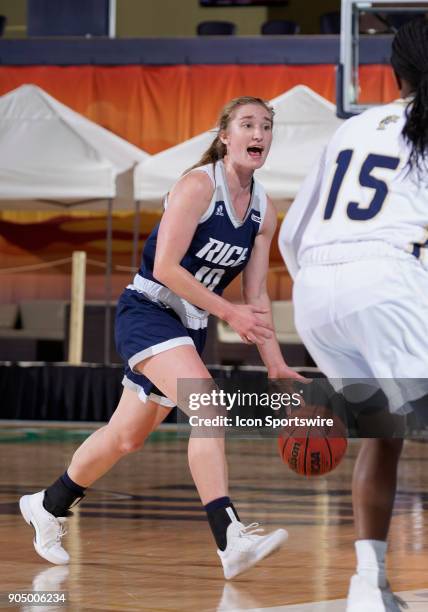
250, 530
61, 531
396, 599
400, 602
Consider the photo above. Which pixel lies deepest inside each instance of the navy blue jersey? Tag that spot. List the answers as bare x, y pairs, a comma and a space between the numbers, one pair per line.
220, 248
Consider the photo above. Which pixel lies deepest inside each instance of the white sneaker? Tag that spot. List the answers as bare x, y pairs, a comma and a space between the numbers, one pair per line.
48, 529
244, 548
364, 597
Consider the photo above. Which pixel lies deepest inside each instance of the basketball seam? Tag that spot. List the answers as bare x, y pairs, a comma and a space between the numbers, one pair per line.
329, 450
306, 450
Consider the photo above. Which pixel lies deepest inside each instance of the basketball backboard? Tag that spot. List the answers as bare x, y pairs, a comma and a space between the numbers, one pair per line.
367, 29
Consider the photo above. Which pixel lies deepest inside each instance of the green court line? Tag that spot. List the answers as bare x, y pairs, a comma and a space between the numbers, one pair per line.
23, 435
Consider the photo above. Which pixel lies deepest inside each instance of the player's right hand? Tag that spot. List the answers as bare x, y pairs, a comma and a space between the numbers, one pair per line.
246, 320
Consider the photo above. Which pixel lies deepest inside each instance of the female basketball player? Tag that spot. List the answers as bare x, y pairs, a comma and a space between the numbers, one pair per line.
217, 223
356, 239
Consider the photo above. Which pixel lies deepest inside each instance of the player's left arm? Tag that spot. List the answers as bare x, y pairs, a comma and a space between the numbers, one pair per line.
254, 288
299, 215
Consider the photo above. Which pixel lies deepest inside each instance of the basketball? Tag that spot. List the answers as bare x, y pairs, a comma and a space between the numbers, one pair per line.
317, 452
312, 456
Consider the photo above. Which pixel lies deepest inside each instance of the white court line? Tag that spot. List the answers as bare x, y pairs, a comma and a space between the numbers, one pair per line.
416, 600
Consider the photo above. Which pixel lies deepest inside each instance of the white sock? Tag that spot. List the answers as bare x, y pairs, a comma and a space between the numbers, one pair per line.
371, 561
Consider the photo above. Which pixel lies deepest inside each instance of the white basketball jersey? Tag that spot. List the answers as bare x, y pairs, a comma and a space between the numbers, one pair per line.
361, 191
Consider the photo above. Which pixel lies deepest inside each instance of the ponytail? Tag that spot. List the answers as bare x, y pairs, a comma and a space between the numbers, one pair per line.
410, 62
415, 130
216, 150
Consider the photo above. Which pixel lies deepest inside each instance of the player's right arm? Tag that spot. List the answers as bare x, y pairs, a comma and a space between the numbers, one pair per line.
187, 202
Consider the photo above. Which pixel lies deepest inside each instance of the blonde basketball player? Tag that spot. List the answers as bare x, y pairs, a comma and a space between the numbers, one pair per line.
218, 222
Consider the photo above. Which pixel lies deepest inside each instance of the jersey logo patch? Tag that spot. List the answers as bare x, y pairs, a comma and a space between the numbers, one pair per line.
256, 218
219, 210
390, 119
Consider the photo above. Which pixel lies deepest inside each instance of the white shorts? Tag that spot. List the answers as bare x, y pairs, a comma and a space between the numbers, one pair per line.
366, 318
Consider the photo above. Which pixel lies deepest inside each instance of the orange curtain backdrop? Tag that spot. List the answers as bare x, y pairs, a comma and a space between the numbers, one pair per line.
159, 107
154, 108
377, 85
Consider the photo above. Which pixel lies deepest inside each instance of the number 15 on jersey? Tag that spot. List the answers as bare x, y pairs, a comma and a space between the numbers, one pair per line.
354, 210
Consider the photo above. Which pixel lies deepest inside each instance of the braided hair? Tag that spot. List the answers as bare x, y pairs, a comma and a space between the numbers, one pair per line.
410, 62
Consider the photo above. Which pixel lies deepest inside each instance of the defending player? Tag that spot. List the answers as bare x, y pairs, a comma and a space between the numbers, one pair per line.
217, 223
355, 242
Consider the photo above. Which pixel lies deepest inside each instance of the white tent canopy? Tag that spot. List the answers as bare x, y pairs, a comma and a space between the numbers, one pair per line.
303, 123
52, 156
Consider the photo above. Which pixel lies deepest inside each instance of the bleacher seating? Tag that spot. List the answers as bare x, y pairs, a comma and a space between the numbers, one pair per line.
32, 331
38, 330
3, 22
216, 28
279, 27
330, 23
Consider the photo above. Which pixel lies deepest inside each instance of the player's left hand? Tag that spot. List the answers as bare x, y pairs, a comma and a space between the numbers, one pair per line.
289, 379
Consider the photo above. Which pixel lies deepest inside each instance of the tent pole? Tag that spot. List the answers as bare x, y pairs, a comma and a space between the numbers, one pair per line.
77, 308
135, 236
108, 279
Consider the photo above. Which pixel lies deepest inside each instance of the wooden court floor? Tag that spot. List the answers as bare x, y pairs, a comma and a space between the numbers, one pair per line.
139, 541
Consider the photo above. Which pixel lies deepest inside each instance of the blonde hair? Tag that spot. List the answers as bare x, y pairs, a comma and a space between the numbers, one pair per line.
217, 150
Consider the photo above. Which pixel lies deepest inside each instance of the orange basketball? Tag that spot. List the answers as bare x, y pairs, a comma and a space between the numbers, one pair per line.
316, 453
312, 456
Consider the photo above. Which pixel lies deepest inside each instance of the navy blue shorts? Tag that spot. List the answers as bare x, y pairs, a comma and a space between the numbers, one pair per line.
145, 328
